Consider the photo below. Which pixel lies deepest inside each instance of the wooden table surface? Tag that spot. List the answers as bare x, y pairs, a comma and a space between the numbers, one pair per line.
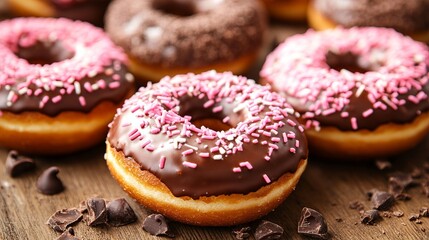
326, 186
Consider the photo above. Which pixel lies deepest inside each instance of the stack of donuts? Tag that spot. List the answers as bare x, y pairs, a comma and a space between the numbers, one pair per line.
198, 142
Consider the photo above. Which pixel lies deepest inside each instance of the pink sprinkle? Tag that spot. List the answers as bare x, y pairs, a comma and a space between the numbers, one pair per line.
189, 164
291, 135
226, 119
217, 109
236, 169
208, 104
246, 164
56, 99
275, 139
267, 158
292, 150
150, 148
367, 113
284, 137
87, 86
135, 136
353, 121
204, 154
297, 143
266, 178
162, 162
155, 130
187, 152
147, 142
344, 114
214, 149
300, 128
291, 123
114, 85
82, 101
255, 141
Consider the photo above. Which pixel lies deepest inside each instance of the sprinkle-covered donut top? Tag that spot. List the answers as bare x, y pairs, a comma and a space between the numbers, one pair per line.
190, 33
56, 65
155, 128
405, 16
389, 86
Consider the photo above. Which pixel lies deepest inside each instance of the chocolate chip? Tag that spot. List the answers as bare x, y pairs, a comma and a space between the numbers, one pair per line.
156, 224
382, 200
267, 230
60, 220
398, 213
424, 212
97, 213
17, 164
370, 217
413, 217
241, 233
49, 183
120, 213
356, 205
312, 224
68, 235
382, 164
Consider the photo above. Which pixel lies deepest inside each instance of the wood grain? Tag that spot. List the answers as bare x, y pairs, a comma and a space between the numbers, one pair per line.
326, 186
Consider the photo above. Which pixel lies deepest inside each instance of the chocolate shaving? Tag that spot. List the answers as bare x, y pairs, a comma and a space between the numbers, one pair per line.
17, 164
156, 224
370, 217
267, 230
60, 220
312, 224
382, 164
382, 200
120, 213
68, 235
424, 212
241, 233
97, 213
48, 183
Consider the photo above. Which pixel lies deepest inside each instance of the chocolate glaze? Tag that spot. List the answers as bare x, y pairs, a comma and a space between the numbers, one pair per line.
198, 34
86, 10
405, 16
210, 177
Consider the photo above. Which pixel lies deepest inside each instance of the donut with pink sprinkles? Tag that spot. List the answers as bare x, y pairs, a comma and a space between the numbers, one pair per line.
155, 143
52, 66
354, 80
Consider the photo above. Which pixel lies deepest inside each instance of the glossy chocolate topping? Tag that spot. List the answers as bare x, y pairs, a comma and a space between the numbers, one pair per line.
405, 16
383, 77
186, 33
56, 65
86, 10
263, 143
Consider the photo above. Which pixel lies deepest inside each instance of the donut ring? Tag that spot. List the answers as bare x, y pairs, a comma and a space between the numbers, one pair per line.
197, 175
60, 84
165, 37
379, 109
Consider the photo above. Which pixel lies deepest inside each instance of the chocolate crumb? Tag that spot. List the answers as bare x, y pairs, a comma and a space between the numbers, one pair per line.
267, 230
48, 183
386, 214
60, 220
97, 213
382, 200
418, 221
120, 213
423, 229
414, 217
312, 224
338, 219
356, 205
398, 213
241, 233
156, 224
68, 235
424, 212
382, 164
370, 217
369, 193
17, 164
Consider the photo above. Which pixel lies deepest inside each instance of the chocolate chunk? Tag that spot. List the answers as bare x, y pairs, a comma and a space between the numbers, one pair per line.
97, 213
398, 213
68, 235
267, 230
370, 217
60, 220
312, 224
382, 164
82, 207
156, 224
424, 212
382, 200
398, 182
49, 183
17, 164
413, 217
120, 213
241, 233
403, 197
356, 205
425, 187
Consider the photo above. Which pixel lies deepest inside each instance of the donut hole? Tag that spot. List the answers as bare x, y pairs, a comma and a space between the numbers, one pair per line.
347, 61
183, 8
212, 123
44, 53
